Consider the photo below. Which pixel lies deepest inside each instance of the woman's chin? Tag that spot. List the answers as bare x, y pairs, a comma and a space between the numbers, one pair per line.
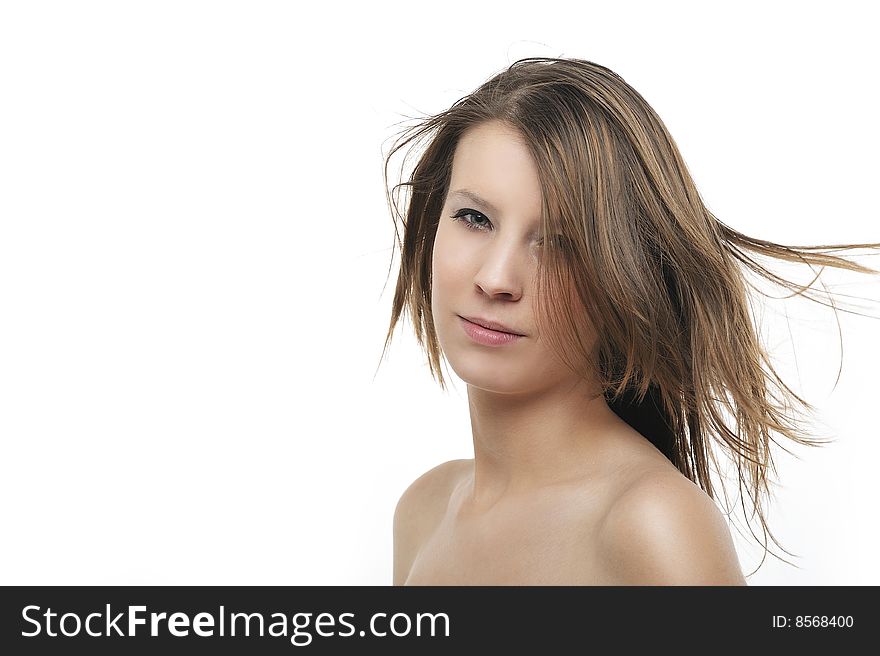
500, 380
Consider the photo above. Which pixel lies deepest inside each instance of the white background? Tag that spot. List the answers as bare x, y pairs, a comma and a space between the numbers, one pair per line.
194, 245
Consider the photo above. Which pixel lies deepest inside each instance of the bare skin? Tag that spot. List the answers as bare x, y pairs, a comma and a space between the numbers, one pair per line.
546, 536
560, 489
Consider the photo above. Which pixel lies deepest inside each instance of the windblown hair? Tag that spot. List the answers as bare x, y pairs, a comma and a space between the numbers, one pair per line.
659, 278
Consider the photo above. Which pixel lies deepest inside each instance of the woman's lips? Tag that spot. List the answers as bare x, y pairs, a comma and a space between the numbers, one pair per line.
487, 337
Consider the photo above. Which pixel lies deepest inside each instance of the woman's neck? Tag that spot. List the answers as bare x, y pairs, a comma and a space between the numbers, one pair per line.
524, 442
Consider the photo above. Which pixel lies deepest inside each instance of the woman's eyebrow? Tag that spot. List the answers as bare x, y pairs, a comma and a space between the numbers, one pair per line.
475, 198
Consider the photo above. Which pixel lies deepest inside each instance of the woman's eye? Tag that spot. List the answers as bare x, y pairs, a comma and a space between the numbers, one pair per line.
461, 214
481, 223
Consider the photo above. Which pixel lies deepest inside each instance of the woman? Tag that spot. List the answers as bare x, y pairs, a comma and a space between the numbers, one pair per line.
557, 253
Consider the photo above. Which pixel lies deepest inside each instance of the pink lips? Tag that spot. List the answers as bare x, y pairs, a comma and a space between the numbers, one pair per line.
487, 337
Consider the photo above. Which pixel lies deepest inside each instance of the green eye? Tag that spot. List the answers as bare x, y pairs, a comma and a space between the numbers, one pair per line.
461, 214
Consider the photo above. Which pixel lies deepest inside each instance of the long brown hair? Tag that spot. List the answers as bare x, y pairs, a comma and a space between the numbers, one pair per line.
659, 278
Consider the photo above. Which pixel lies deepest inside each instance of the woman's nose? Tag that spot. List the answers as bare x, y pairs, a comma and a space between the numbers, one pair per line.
501, 271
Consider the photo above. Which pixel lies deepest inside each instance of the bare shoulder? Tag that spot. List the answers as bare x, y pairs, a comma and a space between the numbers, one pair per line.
419, 509
664, 530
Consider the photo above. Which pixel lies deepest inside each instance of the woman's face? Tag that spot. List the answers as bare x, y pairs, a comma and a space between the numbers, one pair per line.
485, 261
